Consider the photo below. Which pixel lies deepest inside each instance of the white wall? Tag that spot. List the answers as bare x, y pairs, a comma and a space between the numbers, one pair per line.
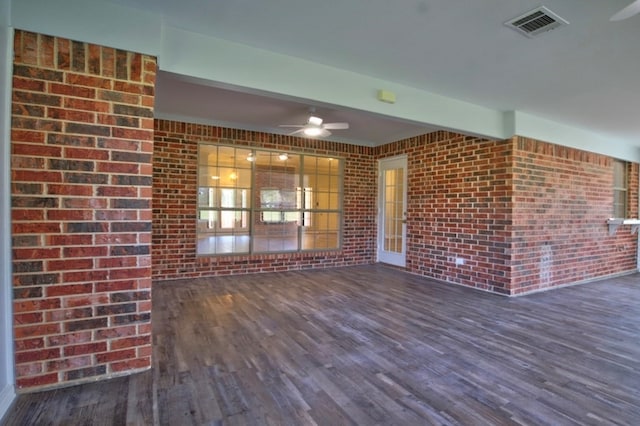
7, 390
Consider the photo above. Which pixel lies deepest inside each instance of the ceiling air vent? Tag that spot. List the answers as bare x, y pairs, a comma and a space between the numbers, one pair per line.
536, 22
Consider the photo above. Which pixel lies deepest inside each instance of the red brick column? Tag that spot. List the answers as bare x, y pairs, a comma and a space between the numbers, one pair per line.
82, 144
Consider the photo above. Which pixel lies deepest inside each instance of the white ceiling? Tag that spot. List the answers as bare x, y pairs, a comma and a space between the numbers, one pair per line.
585, 75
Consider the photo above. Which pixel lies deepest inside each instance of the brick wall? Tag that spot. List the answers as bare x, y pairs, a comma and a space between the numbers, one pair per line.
82, 143
522, 215
175, 197
563, 197
459, 204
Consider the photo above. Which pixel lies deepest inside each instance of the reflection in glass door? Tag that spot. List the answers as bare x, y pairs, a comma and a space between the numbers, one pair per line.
392, 211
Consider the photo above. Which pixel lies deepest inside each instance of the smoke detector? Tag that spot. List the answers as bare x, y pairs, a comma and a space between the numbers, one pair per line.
536, 22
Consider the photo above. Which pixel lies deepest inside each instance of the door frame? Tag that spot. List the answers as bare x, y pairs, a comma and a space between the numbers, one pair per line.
397, 259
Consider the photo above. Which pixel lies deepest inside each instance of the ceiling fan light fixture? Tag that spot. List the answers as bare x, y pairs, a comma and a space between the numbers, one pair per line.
312, 131
315, 127
316, 121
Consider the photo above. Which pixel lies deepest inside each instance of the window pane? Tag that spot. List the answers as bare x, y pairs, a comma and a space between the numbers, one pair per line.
619, 204
291, 216
289, 199
223, 244
619, 174
334, 183
259, 201
224, 178
276, 237
282, 176
324, 232
271, 216
208, 176
207, 222
214, 239
208, 154
206, 197
310, 164
225, 156
619, 189
321, 200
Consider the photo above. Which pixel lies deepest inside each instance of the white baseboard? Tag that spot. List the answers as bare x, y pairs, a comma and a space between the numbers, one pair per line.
7, 395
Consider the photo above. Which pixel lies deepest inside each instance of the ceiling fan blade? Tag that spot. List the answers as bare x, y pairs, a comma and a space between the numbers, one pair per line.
291, 125
627, 12
336, 125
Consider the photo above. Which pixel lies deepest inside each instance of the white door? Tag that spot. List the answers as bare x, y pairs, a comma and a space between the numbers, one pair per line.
392, 211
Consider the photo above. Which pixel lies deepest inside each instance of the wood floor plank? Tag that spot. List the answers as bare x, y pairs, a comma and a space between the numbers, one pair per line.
370, 345
118, 401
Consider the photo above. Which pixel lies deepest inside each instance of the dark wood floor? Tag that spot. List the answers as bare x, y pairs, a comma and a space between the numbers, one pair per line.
370, 346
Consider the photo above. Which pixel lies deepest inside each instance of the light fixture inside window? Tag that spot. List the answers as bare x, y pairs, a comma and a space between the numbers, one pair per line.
283, 157
251, 157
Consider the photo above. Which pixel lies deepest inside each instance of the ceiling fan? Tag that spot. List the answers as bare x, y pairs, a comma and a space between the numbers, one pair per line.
316, 128
627, 12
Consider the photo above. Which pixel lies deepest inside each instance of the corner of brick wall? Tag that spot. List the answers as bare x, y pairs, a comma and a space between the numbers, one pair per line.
81, 158
459, 205
524, 215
